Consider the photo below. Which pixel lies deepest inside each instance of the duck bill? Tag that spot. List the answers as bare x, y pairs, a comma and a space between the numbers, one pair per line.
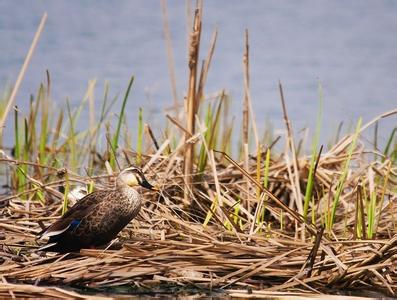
147, 185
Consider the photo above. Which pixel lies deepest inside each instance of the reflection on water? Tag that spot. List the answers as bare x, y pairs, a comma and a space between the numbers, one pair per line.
349, 46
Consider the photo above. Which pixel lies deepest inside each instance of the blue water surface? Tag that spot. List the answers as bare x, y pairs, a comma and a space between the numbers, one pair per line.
350, 46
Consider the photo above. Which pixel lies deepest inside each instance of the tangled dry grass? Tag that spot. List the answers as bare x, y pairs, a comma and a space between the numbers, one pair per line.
216, 247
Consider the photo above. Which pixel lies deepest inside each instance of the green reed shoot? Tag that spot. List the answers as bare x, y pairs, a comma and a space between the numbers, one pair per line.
387, 152
210, 136
140, 138
32, 124
310, 178
234, 217
371, 214
362, 198
102, 116
56, 135
105, 109
20, 177
44, 125
343, 177
115, 141
358, 215
237, 220
313, 210
202, 161
71, 138
210, 213
261, 215
90, 186
26, 147
227, 125
65, 196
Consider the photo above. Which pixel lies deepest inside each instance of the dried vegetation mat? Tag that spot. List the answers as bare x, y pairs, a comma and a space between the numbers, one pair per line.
217, 241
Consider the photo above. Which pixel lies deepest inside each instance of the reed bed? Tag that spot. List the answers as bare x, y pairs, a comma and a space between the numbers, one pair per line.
181, 245
241, 218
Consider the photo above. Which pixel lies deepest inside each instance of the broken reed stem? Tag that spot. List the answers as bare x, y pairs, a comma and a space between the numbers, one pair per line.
246, 88
191, 100
246, 117
205, 69
148, 129
247, 94
22, 72
291, 144
189, 21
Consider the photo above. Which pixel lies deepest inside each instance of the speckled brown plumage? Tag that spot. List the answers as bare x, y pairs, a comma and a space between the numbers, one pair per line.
97, 218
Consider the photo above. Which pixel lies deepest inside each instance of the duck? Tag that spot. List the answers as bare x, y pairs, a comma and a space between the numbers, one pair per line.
97, 218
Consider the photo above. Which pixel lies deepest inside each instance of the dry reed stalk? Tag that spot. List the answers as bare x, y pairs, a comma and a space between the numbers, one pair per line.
21, 74
91, 102
189, 21
247, 195
192, 101
247, 111
156, 156
204, 70
149, 131
246, 89
210, 154
291, 144
177, 124
377, 118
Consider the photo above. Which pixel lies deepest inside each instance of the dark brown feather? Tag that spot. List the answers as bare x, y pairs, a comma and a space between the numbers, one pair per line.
100, 220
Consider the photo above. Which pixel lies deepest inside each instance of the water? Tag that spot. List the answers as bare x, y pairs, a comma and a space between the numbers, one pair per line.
349, 46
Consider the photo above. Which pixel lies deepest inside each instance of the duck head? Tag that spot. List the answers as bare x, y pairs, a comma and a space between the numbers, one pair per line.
132, 177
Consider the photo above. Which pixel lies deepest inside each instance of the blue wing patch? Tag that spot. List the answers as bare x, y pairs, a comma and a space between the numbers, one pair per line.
74, 224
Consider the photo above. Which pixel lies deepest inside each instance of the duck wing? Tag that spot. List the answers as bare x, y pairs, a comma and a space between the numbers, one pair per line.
95, 223
72, 218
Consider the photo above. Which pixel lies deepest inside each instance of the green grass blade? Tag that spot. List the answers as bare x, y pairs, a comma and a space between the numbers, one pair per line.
44, 126
20, 178
343, 177
140, 138
72, 137
265, 185
388, 144
65, 196
371, 213
115, 141
26, 146
202, 161
310, 179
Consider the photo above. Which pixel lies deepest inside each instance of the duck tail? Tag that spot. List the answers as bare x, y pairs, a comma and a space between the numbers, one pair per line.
49, 247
